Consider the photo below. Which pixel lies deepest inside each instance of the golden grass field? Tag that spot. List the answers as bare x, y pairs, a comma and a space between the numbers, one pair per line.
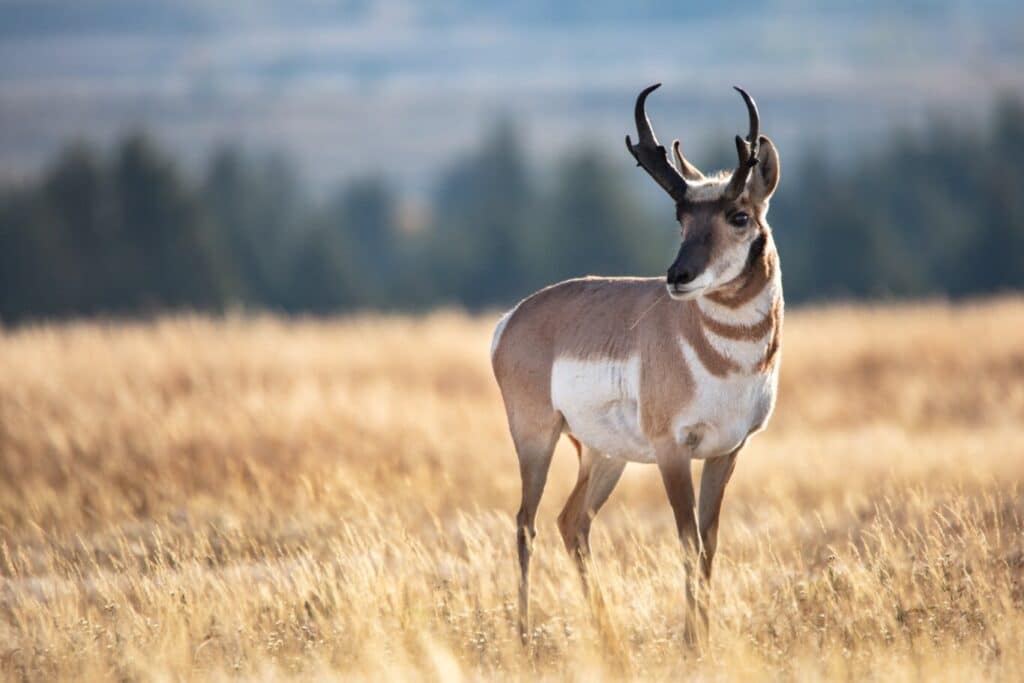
255, 498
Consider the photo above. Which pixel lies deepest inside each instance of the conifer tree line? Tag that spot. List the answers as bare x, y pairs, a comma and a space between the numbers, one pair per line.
126, 231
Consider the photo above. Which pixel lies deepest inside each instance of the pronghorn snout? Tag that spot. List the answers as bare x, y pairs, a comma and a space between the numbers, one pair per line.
680, 275
690, 264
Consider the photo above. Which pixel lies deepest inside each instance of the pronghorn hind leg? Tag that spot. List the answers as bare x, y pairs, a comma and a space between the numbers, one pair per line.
575, 504
597, 478
534, 448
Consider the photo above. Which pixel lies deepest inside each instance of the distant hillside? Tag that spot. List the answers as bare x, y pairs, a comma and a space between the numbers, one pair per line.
314, 78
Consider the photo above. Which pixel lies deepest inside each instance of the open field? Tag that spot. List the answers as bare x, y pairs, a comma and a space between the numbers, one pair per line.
196, 498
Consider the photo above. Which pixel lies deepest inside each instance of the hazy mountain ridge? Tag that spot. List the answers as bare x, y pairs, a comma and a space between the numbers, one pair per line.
310, 78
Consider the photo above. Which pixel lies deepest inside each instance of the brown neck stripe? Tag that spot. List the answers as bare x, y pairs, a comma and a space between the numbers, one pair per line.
742, 332
715, 363
744, 287
773, 347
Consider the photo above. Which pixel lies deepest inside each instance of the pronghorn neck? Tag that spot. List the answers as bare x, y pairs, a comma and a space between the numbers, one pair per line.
740, 323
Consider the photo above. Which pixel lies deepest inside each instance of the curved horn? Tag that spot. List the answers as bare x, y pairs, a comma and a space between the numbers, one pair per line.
650, 155
746, 150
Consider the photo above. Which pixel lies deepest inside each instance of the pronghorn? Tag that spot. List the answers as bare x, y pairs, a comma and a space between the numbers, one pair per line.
649, 370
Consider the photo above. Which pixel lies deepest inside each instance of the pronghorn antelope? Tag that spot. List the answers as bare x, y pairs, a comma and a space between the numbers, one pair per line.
650, 370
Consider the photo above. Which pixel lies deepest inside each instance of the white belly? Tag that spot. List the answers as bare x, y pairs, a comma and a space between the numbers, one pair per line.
599, 401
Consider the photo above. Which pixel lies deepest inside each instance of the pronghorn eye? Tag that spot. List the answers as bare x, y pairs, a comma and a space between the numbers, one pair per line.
739, 219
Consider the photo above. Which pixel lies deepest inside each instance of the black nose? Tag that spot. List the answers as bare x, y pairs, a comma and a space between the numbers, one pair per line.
681, 275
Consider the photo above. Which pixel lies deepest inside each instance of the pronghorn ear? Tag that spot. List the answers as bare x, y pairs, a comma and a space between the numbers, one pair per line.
764, 177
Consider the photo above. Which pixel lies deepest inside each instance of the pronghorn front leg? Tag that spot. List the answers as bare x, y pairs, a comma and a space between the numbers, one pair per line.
717, 472
713, 480
674, 463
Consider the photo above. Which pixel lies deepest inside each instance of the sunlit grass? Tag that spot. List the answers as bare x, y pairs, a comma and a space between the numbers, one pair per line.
199, 498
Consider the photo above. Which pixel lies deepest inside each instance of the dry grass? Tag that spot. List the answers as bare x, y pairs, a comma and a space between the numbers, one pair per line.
260, 499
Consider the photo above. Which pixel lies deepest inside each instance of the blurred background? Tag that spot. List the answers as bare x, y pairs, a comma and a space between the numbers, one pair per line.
330, 156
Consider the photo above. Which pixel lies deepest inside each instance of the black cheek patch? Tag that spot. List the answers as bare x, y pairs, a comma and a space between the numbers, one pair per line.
756, 249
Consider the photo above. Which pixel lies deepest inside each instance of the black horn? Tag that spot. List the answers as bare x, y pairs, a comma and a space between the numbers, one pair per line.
650, 155
746, 150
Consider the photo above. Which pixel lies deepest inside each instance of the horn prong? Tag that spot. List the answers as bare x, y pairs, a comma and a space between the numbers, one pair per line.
686, 169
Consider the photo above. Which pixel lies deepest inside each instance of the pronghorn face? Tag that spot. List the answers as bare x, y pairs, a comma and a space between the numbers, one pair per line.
722, 218
718, 234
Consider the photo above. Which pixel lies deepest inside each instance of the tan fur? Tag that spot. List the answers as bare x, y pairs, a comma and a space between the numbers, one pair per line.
616, 318
597, 477
631, 335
